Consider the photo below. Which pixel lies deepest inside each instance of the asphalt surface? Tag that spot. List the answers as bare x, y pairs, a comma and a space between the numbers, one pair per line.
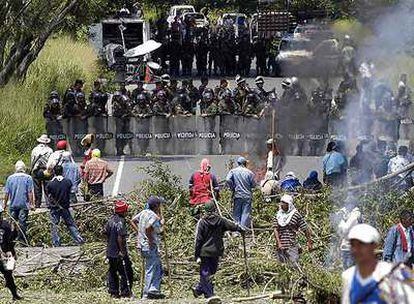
129, 171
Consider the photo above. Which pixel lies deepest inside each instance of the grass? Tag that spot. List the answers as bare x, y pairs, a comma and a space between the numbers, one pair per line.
21, 104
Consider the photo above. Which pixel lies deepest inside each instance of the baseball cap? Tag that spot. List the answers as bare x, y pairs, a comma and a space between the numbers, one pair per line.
364, 233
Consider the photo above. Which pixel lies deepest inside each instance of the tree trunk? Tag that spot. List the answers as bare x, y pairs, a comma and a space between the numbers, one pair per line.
25, 63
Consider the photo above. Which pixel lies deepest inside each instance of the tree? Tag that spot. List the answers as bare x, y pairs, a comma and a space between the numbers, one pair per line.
26, 25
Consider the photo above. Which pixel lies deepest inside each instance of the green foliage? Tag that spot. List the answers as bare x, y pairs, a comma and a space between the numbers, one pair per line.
21, 120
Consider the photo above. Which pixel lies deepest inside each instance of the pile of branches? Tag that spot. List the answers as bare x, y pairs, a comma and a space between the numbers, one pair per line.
317, 279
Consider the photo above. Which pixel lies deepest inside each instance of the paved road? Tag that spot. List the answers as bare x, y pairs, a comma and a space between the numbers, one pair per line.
127, 172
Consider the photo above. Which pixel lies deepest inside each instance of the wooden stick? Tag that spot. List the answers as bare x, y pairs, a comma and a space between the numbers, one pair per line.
246, 265
274, 295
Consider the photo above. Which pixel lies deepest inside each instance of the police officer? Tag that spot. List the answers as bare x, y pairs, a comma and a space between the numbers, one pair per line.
251, 107
162, 106
142, 109
207, 100
227, 105
98, 100
76, 107
138, 90
183, 105
70, 93
122, 106
52, 110
241, 91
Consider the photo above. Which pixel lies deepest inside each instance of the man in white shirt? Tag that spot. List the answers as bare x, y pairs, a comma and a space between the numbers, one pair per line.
39, 158
371, 281
398, 163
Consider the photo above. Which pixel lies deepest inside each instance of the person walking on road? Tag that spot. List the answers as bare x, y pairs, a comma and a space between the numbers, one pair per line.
19, 192
59, 192
120, 275
241, 181
202, 184
149, 224
288, 222
399, 244
209, 248
96, 173
8, 235
39, 158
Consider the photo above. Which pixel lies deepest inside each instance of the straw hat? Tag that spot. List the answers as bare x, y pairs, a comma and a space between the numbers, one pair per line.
88, 139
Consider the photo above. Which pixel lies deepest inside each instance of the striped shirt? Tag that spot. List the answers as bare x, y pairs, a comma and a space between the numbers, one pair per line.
287, 234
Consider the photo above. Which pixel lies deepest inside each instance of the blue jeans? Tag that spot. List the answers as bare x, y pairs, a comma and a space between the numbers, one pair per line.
208, 268
20, 215
153, 270
55, 215
242, 208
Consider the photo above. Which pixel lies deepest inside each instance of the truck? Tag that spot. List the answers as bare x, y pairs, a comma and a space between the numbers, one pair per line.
112, 37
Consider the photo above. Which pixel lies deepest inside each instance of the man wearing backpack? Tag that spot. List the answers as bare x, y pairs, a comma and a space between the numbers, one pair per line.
399, 244
39, 158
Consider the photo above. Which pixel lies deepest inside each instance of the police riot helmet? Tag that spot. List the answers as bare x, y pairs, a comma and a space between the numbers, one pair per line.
141, 98
251, 97
80, 96
208, 95
286, 83
161, 94
259, 80
54, 95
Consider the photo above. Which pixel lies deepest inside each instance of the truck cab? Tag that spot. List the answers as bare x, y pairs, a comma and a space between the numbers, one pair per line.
178, 11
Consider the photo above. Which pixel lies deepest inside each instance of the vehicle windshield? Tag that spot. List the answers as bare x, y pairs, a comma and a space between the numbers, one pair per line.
183, 10
195, 16
295, 45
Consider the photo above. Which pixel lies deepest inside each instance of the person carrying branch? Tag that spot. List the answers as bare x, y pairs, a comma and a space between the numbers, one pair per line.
209, 248
288, 222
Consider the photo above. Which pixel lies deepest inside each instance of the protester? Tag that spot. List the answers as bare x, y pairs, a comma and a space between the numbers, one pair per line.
120, 274
203, 185
8, 235
288, 222
39, 158
56, 158
59, 193
275, 160
372, 281
209, 248
399, 244
362, 166
149, 224
312, 182
87, 143
290, 183
349, 216
19, 192
71, 172
335, 166
241, 182
398, 163
96, 173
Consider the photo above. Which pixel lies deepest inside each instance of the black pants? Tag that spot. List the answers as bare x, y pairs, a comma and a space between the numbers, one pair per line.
95, 190
120, 276
39, 186
8, 277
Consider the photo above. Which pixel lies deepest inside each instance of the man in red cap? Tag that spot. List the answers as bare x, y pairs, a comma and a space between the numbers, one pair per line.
120, 275
56, 158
